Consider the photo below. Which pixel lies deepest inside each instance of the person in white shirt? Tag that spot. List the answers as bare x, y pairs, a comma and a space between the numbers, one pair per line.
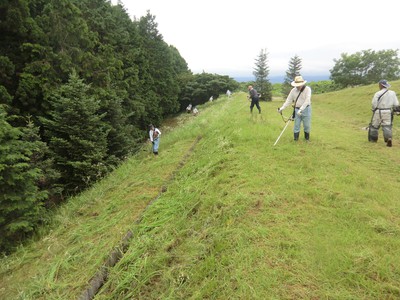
383, 103
154, 135
300, 98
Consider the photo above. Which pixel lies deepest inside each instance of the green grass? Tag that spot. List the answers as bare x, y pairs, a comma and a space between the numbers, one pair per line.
237, 218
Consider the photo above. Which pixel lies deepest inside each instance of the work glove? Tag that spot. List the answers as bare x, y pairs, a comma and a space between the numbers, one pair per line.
299, 112
152, 142
280, 110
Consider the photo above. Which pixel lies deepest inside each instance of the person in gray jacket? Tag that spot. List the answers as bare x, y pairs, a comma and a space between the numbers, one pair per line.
254, 98
383, 103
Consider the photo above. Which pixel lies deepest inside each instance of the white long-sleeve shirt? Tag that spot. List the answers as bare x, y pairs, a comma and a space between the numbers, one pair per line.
303, 101
151, 134
387, 101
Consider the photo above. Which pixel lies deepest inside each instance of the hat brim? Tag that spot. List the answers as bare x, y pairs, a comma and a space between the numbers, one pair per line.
298, 83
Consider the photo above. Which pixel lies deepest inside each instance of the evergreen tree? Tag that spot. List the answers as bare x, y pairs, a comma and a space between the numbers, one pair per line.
261, 73
19, 32
76, 135
161, 67
21, 201
41, 159
291, 73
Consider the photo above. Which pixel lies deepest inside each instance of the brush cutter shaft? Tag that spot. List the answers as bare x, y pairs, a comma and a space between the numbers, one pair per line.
287, 123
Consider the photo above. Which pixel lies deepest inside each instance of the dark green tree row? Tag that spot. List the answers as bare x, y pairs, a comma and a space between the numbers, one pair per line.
200, 87
79, 83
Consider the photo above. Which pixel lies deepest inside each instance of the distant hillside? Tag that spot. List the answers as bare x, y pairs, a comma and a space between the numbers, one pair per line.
279, 79
221, 213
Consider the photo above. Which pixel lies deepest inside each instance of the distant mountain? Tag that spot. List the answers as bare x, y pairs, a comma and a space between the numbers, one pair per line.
279, 79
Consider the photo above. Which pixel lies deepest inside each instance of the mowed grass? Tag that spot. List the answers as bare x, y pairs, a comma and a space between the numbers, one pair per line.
238, 218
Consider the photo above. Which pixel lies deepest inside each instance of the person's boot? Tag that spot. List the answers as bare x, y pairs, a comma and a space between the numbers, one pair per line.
296, 136
307, 136
389, 142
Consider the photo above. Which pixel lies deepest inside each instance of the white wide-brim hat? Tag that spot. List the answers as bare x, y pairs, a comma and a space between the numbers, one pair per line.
298, 81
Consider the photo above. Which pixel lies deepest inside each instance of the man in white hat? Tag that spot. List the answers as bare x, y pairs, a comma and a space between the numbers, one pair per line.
383, 103
300, 98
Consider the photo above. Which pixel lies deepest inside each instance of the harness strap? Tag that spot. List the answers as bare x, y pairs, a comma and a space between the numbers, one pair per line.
294, 109
378, 109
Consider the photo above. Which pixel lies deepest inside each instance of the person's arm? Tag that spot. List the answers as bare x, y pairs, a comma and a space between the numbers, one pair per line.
288, 101
151, 135
395, 100
374, 102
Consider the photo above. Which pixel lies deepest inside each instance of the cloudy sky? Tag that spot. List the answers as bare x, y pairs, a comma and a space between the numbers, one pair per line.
225, 37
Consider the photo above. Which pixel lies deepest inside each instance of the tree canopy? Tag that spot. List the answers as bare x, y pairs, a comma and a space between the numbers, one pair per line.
365, 67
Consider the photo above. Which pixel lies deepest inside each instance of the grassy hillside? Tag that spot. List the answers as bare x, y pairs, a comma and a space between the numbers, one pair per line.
222, 214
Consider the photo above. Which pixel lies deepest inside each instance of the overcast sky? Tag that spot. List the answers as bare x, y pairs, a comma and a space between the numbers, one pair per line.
225, 37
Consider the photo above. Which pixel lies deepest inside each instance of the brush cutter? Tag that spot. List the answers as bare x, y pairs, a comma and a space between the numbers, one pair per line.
287, 121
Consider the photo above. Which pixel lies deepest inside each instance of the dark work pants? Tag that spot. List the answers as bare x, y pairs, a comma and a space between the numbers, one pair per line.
255, 102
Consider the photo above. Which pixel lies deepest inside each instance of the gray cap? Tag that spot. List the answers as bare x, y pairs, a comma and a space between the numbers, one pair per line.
384, 83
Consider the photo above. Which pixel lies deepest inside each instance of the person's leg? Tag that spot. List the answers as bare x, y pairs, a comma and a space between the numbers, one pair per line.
296, 129
251, 106
306, 118
258, 106
296, 136
387, 127
155, 146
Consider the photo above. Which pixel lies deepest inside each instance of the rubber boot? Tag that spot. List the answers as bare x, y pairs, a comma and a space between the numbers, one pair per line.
307, 136
296, 136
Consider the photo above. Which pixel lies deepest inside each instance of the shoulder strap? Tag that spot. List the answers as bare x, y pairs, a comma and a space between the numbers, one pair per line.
379, 98
294, 106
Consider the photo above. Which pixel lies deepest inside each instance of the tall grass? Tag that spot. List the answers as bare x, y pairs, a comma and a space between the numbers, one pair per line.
240, 219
